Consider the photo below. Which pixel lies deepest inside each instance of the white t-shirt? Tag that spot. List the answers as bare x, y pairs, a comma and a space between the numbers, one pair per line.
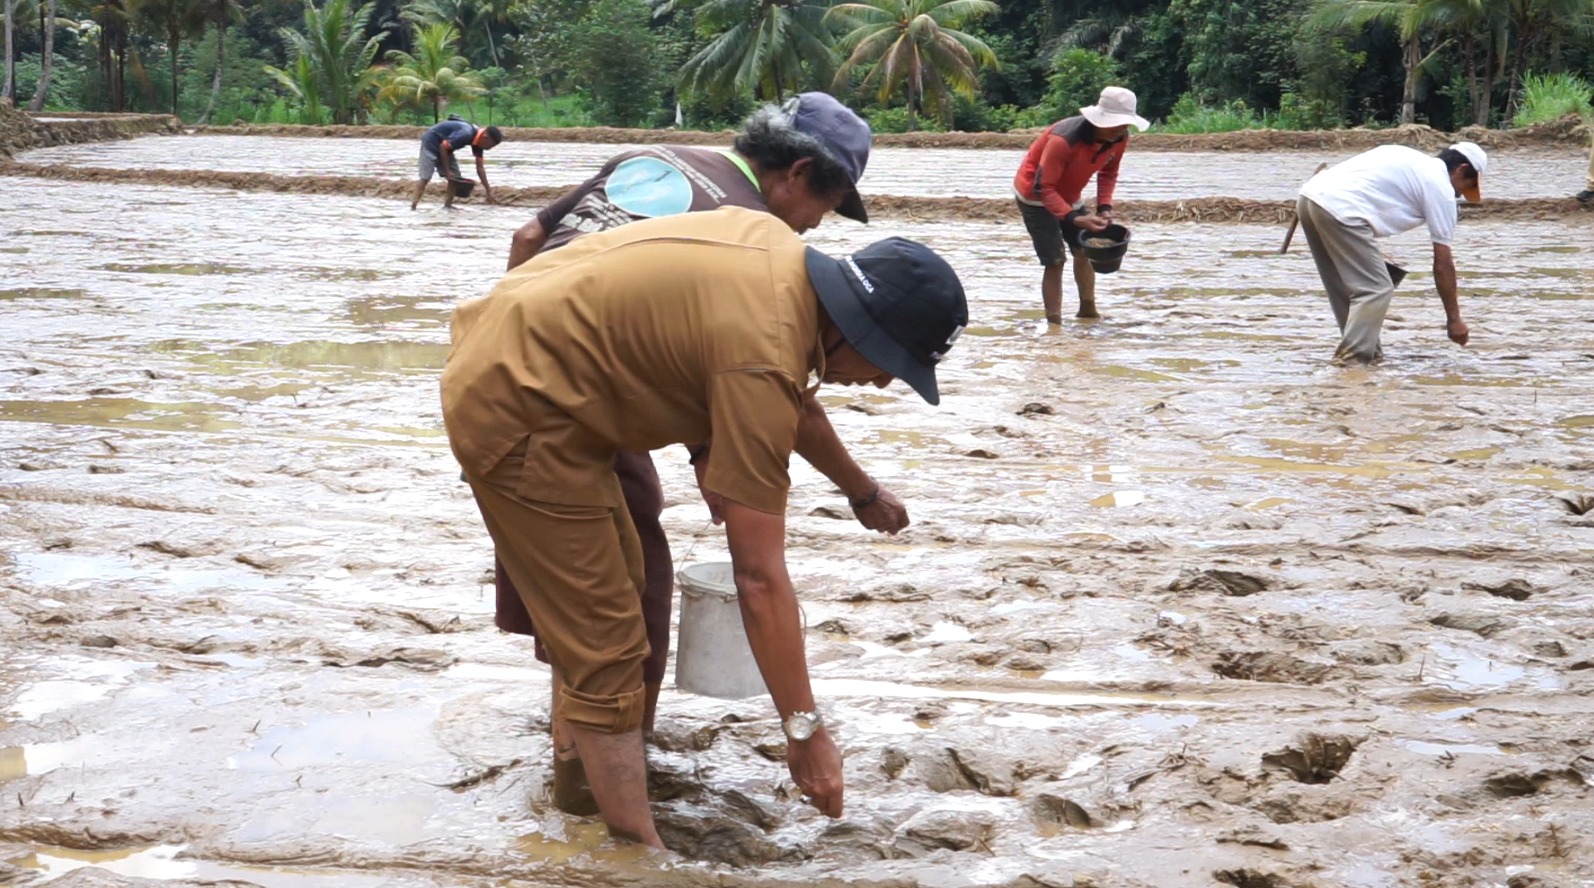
1392, 189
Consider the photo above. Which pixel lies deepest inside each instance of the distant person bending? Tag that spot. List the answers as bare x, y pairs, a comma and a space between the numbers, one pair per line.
1380, 193
1052, 179
440, 146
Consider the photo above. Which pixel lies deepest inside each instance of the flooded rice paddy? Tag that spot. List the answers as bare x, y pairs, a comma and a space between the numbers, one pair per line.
933, 172
1182, 603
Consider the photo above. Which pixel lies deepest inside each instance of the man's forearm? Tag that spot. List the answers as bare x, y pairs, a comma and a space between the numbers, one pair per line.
527, 242
770, 615
817, 443
1444, 276
481, 173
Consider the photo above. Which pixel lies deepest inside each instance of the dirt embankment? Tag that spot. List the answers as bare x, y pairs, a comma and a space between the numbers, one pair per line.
1568, 130
21, 132
1212, 210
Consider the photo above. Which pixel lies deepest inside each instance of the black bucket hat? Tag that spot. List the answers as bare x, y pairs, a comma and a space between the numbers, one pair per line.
898, 303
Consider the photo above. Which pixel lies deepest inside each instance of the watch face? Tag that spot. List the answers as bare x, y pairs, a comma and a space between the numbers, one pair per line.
801, 726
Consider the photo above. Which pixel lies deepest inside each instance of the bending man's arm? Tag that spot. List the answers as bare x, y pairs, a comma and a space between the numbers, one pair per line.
817, 443
481, 173
527, 242
774, 631
1444, 278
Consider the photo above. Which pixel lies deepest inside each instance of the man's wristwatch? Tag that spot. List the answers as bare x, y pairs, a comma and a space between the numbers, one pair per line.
800, 726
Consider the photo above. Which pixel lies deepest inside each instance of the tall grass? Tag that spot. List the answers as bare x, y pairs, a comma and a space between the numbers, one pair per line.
1189, 116
1551, 96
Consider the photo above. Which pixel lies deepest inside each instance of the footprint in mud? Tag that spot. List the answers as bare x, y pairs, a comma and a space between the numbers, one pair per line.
1313, 757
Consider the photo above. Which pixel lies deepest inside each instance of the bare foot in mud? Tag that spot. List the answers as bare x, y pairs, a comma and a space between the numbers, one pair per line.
1087, 312
1054, 320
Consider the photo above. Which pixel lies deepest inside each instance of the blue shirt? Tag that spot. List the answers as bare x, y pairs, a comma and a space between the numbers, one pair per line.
457, 133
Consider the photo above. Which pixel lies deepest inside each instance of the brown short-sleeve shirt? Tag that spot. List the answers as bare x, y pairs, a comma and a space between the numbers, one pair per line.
701, 327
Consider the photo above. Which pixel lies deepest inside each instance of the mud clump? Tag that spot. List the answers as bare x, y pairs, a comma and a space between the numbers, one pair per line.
1514, 589
1270, 666
1314, 758
934, 830
1225, 582
1250, 878
1048, 808
703, 836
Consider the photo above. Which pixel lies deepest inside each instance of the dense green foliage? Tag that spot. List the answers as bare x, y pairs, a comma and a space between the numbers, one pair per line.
1197, 65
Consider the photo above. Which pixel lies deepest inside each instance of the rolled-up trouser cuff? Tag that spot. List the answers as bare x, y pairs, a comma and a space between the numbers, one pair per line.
614, 714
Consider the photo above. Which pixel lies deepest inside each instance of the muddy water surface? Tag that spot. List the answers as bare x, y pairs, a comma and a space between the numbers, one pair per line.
1182, 603
935, 172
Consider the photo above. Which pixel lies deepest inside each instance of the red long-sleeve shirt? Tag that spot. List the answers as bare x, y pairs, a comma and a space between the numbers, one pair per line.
1061, 161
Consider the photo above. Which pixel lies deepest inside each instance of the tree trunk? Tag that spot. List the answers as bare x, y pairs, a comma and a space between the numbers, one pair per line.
172, 45
1408, 92
120, 95
43, 90
215, 82
8, 88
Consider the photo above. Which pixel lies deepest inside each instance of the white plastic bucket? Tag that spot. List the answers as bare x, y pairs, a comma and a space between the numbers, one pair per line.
712, 656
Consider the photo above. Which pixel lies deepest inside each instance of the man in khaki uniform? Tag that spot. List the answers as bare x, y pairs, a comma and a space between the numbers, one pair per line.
701, 330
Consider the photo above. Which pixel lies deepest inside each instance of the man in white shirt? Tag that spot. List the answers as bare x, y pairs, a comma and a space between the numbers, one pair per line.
1379, 193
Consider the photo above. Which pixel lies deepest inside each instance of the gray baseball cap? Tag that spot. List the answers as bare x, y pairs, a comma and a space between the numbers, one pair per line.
897, 303
843, 135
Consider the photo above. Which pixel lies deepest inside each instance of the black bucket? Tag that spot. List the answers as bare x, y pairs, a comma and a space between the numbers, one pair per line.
1396, 273
1105, 258
462, 187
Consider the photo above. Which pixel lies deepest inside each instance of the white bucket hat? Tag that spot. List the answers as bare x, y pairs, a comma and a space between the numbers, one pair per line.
1116, 107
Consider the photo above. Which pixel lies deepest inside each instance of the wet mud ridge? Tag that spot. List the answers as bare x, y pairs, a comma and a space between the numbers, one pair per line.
1568, 131
1210, 210
20, 131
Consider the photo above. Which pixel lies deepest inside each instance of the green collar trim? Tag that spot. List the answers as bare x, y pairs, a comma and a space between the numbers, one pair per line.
746, 170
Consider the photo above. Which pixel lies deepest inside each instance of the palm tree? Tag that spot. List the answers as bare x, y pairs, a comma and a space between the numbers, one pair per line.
766, 47
915, 45
220, 13
335, 50
468, 17
1533, 22
434, 74
174, 20
1413, 19
300, 80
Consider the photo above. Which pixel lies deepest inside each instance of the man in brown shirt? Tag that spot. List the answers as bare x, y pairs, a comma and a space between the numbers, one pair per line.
700, 330
799, 161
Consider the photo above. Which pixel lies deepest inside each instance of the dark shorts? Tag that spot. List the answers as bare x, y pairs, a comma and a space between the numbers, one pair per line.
1051, 234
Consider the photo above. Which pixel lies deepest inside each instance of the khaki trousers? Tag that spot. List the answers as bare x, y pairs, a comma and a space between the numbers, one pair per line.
1355, 276
578, 570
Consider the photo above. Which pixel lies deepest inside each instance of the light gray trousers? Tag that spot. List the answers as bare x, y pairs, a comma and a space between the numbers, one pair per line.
1355, 276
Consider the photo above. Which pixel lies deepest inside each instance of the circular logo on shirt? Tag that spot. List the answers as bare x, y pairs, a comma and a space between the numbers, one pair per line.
647, 186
